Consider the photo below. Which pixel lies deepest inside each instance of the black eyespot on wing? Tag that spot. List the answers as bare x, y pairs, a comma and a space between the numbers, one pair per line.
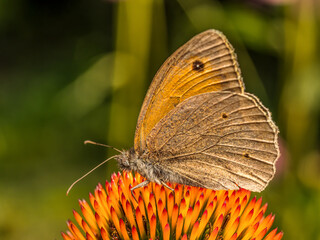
198, 66
224, 115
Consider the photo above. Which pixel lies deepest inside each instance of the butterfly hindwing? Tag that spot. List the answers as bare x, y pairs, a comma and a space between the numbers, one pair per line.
217, 140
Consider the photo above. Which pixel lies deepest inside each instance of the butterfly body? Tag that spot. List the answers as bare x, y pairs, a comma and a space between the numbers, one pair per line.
145, 165
198, 127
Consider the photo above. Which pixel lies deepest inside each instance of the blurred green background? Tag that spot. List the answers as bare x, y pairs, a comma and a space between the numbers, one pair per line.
77, 70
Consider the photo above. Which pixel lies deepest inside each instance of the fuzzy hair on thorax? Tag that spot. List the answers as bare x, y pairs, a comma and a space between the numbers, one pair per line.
151, 169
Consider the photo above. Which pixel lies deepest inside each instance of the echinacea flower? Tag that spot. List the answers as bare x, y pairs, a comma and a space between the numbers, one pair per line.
187, 213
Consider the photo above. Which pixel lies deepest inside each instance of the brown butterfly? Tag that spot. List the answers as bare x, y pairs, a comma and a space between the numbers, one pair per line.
198, 127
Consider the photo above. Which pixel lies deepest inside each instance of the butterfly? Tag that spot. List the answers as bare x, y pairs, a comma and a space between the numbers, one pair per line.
198, 127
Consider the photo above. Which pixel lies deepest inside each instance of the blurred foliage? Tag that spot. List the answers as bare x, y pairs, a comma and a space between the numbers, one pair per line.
76, 70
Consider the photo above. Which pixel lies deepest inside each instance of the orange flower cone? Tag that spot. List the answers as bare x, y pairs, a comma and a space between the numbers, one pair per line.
187, 213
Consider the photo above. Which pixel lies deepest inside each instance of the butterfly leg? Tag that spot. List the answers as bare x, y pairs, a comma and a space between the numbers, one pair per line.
144, 183
164, 184
238, 187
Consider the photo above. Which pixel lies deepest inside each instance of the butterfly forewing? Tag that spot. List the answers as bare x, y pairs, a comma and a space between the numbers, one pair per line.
206, 63
217, 140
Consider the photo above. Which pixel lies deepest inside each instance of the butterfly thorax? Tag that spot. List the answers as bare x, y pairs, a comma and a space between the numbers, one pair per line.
145, 165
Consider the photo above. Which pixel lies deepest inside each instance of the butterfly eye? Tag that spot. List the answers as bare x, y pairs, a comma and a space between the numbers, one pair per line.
198, 66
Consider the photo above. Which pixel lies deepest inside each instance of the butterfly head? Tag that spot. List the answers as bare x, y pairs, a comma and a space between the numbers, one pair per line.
126, 160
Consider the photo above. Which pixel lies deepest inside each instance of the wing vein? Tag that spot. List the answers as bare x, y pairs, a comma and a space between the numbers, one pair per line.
188, 75
254, 149
231, 161
231, 119
185, 174
244, 176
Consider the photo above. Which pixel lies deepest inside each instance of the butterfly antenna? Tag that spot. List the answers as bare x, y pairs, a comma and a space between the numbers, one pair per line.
79, 179
101, 144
